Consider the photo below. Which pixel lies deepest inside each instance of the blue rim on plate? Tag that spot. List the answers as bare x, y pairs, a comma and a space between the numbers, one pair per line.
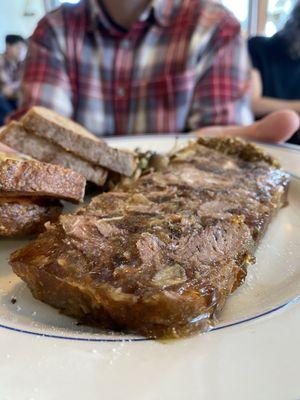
143, 339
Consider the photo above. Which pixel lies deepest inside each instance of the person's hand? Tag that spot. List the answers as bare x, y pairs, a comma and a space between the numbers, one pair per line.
276, 127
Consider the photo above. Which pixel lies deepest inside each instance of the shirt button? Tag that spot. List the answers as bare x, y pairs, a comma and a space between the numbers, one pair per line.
126, 43
121, 92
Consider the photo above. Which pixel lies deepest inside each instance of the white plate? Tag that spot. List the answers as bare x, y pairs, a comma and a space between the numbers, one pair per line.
252, 352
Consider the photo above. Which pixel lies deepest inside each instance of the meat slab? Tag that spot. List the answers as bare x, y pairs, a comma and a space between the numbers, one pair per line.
159, 256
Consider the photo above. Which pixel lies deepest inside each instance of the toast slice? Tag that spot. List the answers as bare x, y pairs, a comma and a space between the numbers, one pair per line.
74, 138
17, 137
26, 216
34, 178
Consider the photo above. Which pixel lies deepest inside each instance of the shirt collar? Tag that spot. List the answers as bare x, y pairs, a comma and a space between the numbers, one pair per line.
162, 10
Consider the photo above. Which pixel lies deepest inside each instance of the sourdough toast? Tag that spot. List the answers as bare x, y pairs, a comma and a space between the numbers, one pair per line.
20, 178
75, 139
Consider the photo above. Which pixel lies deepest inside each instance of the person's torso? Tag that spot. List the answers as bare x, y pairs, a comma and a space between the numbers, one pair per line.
280, 74
142, 80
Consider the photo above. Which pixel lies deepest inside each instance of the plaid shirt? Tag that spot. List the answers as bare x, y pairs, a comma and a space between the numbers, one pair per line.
182, 66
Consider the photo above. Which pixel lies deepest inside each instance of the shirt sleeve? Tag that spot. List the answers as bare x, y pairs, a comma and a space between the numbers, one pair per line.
222, 93
45, 81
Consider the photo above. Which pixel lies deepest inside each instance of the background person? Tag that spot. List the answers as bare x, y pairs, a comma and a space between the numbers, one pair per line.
276, 74
139, 66
10, 74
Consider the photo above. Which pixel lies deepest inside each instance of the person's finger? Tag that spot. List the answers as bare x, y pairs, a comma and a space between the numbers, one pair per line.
218, 130
276, 127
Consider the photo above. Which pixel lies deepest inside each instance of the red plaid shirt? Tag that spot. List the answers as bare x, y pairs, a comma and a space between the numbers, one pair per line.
183, 65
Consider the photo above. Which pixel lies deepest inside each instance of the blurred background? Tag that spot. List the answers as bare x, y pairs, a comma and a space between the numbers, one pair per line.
21, 16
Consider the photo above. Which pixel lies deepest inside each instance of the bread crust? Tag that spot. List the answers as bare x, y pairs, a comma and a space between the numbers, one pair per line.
34, 178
